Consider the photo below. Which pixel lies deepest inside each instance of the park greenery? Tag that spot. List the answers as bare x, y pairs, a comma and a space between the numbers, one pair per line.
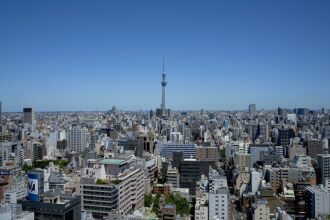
42, 164
148, 200
182, 205
155, 207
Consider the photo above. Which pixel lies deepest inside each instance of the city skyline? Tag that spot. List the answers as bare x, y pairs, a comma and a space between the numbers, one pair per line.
219, 56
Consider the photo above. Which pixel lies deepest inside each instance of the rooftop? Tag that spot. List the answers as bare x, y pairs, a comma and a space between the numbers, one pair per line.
169, 206
112, 161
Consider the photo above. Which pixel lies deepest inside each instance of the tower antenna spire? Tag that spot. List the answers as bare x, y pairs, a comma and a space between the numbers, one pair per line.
163, 64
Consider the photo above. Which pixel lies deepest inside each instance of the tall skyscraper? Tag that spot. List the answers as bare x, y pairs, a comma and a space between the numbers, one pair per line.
28, 116
163, 112
252, 109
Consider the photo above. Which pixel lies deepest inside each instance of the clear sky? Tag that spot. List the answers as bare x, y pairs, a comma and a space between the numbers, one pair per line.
90, 55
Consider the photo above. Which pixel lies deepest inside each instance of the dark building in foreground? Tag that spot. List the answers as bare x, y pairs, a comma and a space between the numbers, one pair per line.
54, 207
191, 171
284, 136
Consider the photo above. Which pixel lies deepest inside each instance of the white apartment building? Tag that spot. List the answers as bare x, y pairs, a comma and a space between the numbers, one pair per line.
261, 210
219, 204
77, 138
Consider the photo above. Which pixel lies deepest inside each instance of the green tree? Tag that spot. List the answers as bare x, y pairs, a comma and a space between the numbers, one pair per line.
26, 168
148, 200
155, 207
100, 181
182, 205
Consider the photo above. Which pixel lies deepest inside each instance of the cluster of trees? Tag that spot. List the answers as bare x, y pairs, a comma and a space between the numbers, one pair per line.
44, 163
182, 205
148, 200
155, 207
100, 181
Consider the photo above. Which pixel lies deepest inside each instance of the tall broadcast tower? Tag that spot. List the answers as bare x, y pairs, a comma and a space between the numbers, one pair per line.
164, 83
163, 112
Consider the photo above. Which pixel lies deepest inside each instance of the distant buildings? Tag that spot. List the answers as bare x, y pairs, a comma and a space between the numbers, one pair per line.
252, 109
234, 164
28, 116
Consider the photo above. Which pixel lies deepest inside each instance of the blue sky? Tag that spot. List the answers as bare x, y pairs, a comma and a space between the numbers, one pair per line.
90, 55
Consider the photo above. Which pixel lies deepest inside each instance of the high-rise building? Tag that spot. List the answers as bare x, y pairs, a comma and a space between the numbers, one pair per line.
252, 109
177, 158
28, 116
323, 111
242, 161
261, 210
317, 202
39, 151
260, 131
77, 138
176, 137
12, 179
163, 112
112, 184
326, 132
323, 166
207, 153
173, 177
314, 147
284, 136
301, 111
145, 143
191, 171
189, 150
282, 112
218, 204
255, 151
